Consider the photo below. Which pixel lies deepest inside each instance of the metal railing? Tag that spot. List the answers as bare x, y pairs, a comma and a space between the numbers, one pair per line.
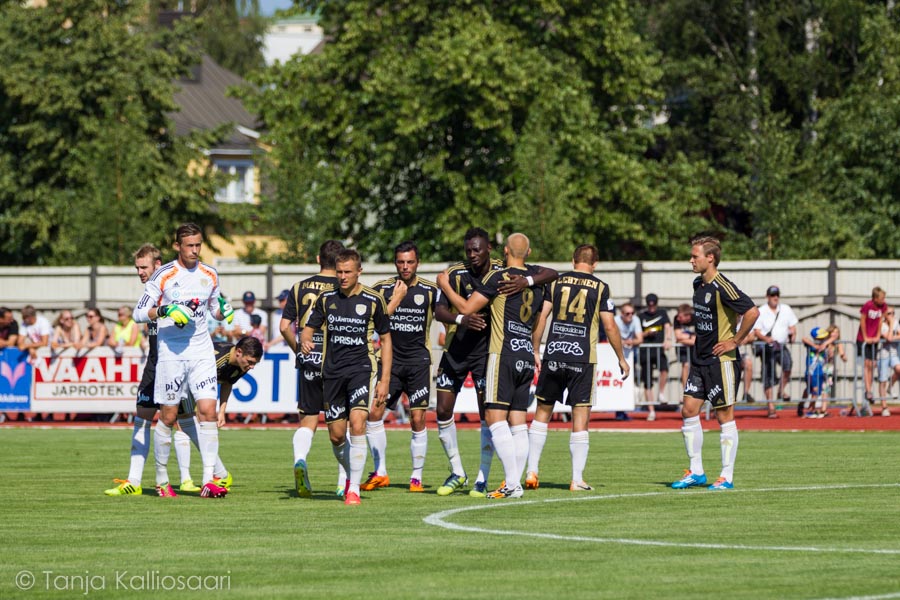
847, 380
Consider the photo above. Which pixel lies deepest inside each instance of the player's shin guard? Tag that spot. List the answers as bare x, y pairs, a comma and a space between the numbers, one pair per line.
693, 443
418, 447
303, 438
209, 448
140, 449
340, 454
729, 440
520, 440
447, 435
487, 454
537, 437
162, 446
505, 448
378, 443
357, 460
579, 444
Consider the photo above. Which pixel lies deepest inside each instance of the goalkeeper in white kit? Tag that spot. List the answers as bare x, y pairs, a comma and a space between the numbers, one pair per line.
178, 296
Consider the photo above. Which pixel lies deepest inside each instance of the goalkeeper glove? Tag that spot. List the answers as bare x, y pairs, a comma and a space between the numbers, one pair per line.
180, 314
226, 309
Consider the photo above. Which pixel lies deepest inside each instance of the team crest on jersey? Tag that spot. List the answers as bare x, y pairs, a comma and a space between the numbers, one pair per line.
360, 309
204, 282
419, 299
708, 296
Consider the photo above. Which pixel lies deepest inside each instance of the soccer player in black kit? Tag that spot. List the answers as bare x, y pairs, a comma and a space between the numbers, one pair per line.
715, 364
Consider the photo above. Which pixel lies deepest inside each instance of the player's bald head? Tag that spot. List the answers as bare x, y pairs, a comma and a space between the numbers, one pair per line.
518, 245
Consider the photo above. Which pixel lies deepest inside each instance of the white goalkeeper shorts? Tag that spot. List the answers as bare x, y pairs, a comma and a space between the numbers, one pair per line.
175, 379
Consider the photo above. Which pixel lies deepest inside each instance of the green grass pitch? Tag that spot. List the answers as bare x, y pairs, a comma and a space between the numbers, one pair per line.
813, 515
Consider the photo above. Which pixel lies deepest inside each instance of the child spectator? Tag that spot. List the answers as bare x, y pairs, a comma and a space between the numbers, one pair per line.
888, 358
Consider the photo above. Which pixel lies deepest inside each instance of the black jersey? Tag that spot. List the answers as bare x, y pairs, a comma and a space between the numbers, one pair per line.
462, 342
654, 326
350, 322
512, 315
226, 372
578, 299
718, 306
299, 304
411, 321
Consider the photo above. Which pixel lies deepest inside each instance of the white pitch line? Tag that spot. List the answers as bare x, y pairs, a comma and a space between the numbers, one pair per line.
439, 519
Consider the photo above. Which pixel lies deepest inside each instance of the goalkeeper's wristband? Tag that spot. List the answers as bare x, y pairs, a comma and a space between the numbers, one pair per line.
163, 310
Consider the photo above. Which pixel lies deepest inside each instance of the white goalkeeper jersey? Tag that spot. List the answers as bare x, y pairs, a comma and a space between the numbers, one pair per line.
198, 288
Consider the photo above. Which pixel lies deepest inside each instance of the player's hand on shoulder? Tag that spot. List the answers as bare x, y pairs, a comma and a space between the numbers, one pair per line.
513, 285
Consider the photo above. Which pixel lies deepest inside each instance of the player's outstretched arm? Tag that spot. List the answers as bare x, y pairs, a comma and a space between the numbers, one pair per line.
474, 321
224, 395
517, 283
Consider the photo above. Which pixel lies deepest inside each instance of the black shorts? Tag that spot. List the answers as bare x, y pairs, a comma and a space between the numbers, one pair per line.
772, 359
452, 372
557, 377
412, 380
353, 391
649, 359
310, 392
508, 383
145, 388
870, 350
717, 382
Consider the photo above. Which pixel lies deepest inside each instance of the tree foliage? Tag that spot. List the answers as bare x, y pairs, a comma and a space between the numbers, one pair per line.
91, 166
422, 119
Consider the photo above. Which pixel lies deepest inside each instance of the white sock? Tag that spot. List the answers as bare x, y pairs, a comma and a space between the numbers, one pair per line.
162, 446
209, 448
378, 443
487, 454
220, 470
693, 443
505, 448
729, 440
140, 449
182, 443
303, 438
537, 437
447, 435
579, 443
418, 448
357, 460
520, 439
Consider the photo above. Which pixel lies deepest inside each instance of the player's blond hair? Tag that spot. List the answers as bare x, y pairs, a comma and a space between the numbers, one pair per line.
710, 245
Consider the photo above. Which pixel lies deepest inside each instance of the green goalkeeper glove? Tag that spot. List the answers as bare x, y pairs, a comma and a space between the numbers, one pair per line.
226, 309
180, 314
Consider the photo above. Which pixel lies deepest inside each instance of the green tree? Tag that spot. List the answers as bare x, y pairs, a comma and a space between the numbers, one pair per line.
91, 164
422, 119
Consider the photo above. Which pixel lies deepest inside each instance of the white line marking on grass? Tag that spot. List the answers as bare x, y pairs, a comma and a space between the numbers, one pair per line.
439, 519
878, 597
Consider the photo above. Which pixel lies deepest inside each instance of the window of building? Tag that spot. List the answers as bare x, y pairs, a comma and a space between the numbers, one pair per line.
240, 186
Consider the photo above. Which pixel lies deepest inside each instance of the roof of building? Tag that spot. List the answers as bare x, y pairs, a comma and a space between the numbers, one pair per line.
205, 105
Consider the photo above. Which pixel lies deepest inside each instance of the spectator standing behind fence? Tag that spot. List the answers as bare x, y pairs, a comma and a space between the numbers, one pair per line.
834, 348
632, 336
871, 315
657, 329
747, 364
816, 347
685, 334
888, 359
96, 333
9, 329
35, 333
775, 327
276, 321
66, 332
